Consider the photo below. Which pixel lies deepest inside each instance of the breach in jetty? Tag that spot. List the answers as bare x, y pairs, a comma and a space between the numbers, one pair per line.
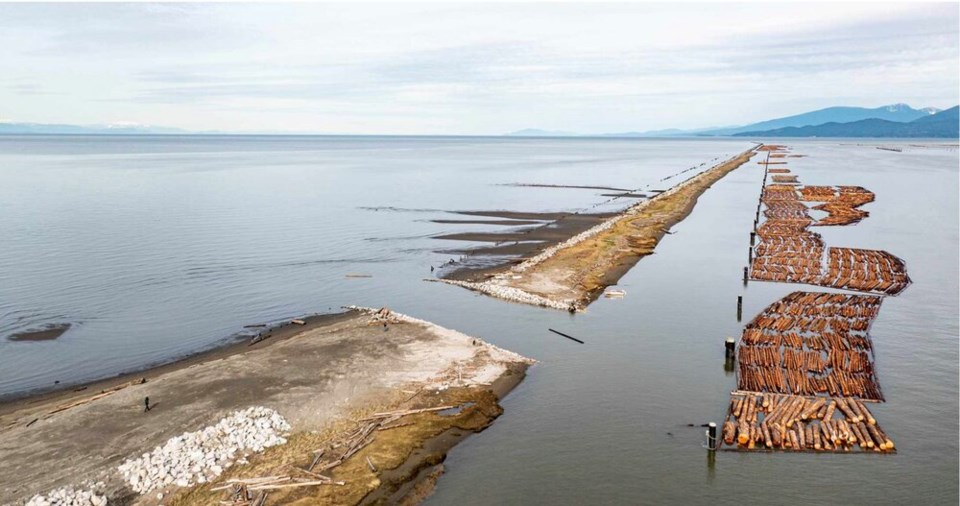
360, 406
572, 274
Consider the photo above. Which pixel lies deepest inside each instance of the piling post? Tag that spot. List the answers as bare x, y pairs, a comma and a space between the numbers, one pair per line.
753, 237
729, 351
712, 436
739, 307
750, 256
746, 275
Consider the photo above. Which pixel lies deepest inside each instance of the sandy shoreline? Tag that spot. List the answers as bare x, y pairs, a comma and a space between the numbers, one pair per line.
322, 377
571, 274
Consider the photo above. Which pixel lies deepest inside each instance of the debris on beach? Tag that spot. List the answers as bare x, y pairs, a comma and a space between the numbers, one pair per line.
102, 394
198, 457
615, 294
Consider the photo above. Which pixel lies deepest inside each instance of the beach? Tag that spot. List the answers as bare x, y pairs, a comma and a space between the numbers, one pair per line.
323, 377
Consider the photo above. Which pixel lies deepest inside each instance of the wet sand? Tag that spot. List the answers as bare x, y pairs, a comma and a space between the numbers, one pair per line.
48, 333
512, 247
571, 274
322, 376
565, 186
508, 223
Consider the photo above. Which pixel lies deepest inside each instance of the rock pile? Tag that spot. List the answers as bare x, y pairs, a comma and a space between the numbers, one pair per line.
197, 457
68, 496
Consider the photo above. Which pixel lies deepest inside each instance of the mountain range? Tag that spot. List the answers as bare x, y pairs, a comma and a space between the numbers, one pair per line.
942, 124
883, 121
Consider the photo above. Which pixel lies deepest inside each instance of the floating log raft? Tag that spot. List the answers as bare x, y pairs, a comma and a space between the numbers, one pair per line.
781, 178
811, 343
771, 422
788, 252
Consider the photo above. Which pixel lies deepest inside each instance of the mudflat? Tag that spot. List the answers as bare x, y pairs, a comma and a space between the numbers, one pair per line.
575, 272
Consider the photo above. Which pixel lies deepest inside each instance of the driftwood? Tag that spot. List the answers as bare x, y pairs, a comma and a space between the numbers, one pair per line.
102, 394
293, 485
388, 414
315, 460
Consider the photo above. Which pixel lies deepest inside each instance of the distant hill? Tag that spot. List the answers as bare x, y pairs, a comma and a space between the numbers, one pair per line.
901, 113
944, 124
122, 129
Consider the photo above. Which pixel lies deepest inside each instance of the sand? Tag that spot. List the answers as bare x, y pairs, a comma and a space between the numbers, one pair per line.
320, 376
572, 274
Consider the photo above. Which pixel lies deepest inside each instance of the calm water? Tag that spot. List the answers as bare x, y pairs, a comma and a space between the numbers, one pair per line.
158, 247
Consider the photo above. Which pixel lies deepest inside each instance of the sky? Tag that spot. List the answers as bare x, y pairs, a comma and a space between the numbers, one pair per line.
468, 69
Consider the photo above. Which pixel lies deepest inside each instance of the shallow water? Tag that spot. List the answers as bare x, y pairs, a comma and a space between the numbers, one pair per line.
158, 247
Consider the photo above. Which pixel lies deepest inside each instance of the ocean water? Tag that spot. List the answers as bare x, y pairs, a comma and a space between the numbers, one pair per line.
157, 247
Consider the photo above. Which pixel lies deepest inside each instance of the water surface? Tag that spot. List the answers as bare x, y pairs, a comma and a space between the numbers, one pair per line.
157, 247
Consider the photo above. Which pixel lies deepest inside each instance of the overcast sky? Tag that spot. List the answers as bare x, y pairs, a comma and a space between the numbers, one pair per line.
467, 69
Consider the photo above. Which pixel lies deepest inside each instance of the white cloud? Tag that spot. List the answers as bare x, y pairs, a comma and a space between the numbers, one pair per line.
430, 68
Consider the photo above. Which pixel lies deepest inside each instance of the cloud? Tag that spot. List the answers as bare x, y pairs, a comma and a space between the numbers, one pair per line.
472, 68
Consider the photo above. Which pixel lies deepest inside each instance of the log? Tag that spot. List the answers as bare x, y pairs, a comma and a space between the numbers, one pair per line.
845, 409
861, 441
828, 415
877, 438
794, 441
743, 436
729, 431
388, 414
290, 485
814, 407
801, 436
866, 413
815, 432
867, 440
767, 441
103, 393
888, 443
315, 460
564, 335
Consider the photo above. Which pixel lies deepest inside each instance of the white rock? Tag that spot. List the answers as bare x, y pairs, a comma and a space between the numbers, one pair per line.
196, 457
